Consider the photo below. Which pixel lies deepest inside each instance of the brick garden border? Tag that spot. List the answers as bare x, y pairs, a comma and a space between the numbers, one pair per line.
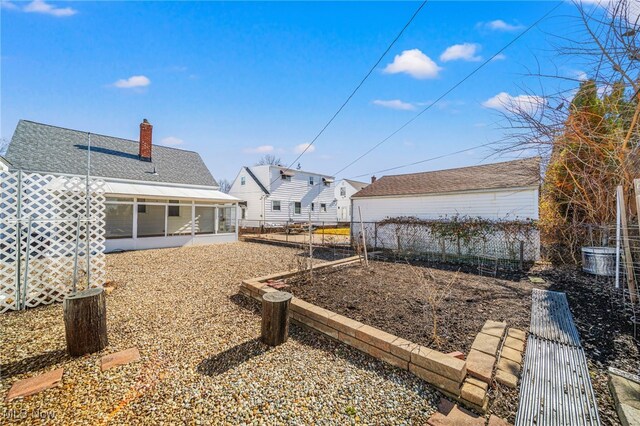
445, 372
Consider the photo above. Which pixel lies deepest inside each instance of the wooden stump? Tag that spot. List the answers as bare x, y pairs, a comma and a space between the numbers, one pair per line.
85, 321
275, 317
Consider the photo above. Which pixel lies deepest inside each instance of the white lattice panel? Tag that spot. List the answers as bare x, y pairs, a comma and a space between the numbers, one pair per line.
57, 206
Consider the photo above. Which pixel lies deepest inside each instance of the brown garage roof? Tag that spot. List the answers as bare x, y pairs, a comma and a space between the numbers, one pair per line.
510, 174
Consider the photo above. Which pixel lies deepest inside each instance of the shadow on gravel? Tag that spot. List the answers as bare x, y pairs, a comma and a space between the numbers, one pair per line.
233, 357
33, 363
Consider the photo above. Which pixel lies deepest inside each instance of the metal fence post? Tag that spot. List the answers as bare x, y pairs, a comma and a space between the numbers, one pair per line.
521, 255
375, 235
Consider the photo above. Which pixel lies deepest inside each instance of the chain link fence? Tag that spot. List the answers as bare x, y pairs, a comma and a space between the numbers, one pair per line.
494, 248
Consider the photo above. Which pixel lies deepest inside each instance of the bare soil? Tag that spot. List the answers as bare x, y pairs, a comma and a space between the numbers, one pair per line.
394, 297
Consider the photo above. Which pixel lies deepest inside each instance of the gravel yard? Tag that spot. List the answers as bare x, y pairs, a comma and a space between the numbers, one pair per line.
202, 362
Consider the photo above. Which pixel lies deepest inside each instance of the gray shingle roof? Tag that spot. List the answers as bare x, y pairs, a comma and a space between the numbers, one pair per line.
44, 148
510, 174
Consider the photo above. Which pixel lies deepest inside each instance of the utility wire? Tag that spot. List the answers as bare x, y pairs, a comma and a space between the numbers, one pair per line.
359, 85
451, 89
426, 160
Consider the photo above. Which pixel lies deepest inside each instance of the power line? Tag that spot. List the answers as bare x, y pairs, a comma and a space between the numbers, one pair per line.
427, 159
451, 89
359, 85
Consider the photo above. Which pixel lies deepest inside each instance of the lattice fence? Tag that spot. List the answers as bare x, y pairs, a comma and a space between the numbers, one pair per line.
46, 235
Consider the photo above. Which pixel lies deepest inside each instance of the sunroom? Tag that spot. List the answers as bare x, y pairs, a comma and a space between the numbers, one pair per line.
141, 216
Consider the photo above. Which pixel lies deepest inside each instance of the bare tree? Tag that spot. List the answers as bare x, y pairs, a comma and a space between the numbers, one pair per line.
269, 159
4, 144
587, 135
225, 185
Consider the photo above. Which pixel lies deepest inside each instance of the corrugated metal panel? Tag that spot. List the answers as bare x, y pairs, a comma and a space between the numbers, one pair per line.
555, 388
551, 318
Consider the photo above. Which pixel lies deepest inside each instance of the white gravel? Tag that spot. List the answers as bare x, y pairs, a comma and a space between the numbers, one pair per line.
202, 362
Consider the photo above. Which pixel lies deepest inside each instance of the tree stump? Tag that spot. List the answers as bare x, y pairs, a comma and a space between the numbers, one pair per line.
85, 321
275, 317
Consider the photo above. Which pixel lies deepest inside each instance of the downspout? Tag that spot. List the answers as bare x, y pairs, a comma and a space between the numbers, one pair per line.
351, 224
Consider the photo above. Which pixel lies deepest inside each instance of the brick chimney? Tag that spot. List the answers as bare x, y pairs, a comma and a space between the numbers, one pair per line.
145, 140
373, 179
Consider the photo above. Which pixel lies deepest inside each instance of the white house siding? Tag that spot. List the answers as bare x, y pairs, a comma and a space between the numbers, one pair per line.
514, 203
344, 201
506, 204
251, 194
298, 189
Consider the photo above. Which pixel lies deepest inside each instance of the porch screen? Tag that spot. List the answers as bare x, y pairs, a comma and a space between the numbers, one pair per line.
118, 220
205, 220
151, 221
226, 219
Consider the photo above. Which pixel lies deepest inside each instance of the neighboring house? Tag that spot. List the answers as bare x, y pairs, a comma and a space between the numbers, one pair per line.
156, 196
505, 191
344, 190
275, 194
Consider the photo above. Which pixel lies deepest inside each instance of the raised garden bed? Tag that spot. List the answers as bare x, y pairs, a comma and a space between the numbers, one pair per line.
396, 298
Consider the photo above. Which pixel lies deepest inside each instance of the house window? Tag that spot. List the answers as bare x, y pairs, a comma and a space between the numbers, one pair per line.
323, 207
313, 207
275, 206
226, 220
311, 180
343, 192
297, 208
142, 208
174, 211
286, 177
243, 180
243, 213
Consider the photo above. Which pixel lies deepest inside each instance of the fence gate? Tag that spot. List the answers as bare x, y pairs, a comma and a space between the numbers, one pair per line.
49, 228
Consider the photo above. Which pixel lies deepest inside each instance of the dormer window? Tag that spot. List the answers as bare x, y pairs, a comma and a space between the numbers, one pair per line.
243, 180
286, 175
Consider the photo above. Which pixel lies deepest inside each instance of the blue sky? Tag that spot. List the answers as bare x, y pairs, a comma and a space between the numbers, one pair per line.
236, 80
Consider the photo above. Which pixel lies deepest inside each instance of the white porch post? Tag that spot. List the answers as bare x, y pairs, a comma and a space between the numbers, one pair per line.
134, 234
193, 220
215, 220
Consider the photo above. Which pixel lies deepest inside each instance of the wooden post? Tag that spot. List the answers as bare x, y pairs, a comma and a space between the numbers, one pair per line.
628, 260
275, 317
85, 321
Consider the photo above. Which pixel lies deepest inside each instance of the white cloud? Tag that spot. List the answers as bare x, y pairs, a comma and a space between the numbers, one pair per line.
500, 25
499, 57
300, 148
415, 63
464, 52
581, 75
171, 141
395, 104
262, 149
133, 81
9, 5
633, 8
41, 6
505, 102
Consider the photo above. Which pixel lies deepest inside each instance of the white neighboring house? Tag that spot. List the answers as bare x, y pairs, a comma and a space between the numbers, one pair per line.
156, 196
499, 191
344, 190
276, 194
